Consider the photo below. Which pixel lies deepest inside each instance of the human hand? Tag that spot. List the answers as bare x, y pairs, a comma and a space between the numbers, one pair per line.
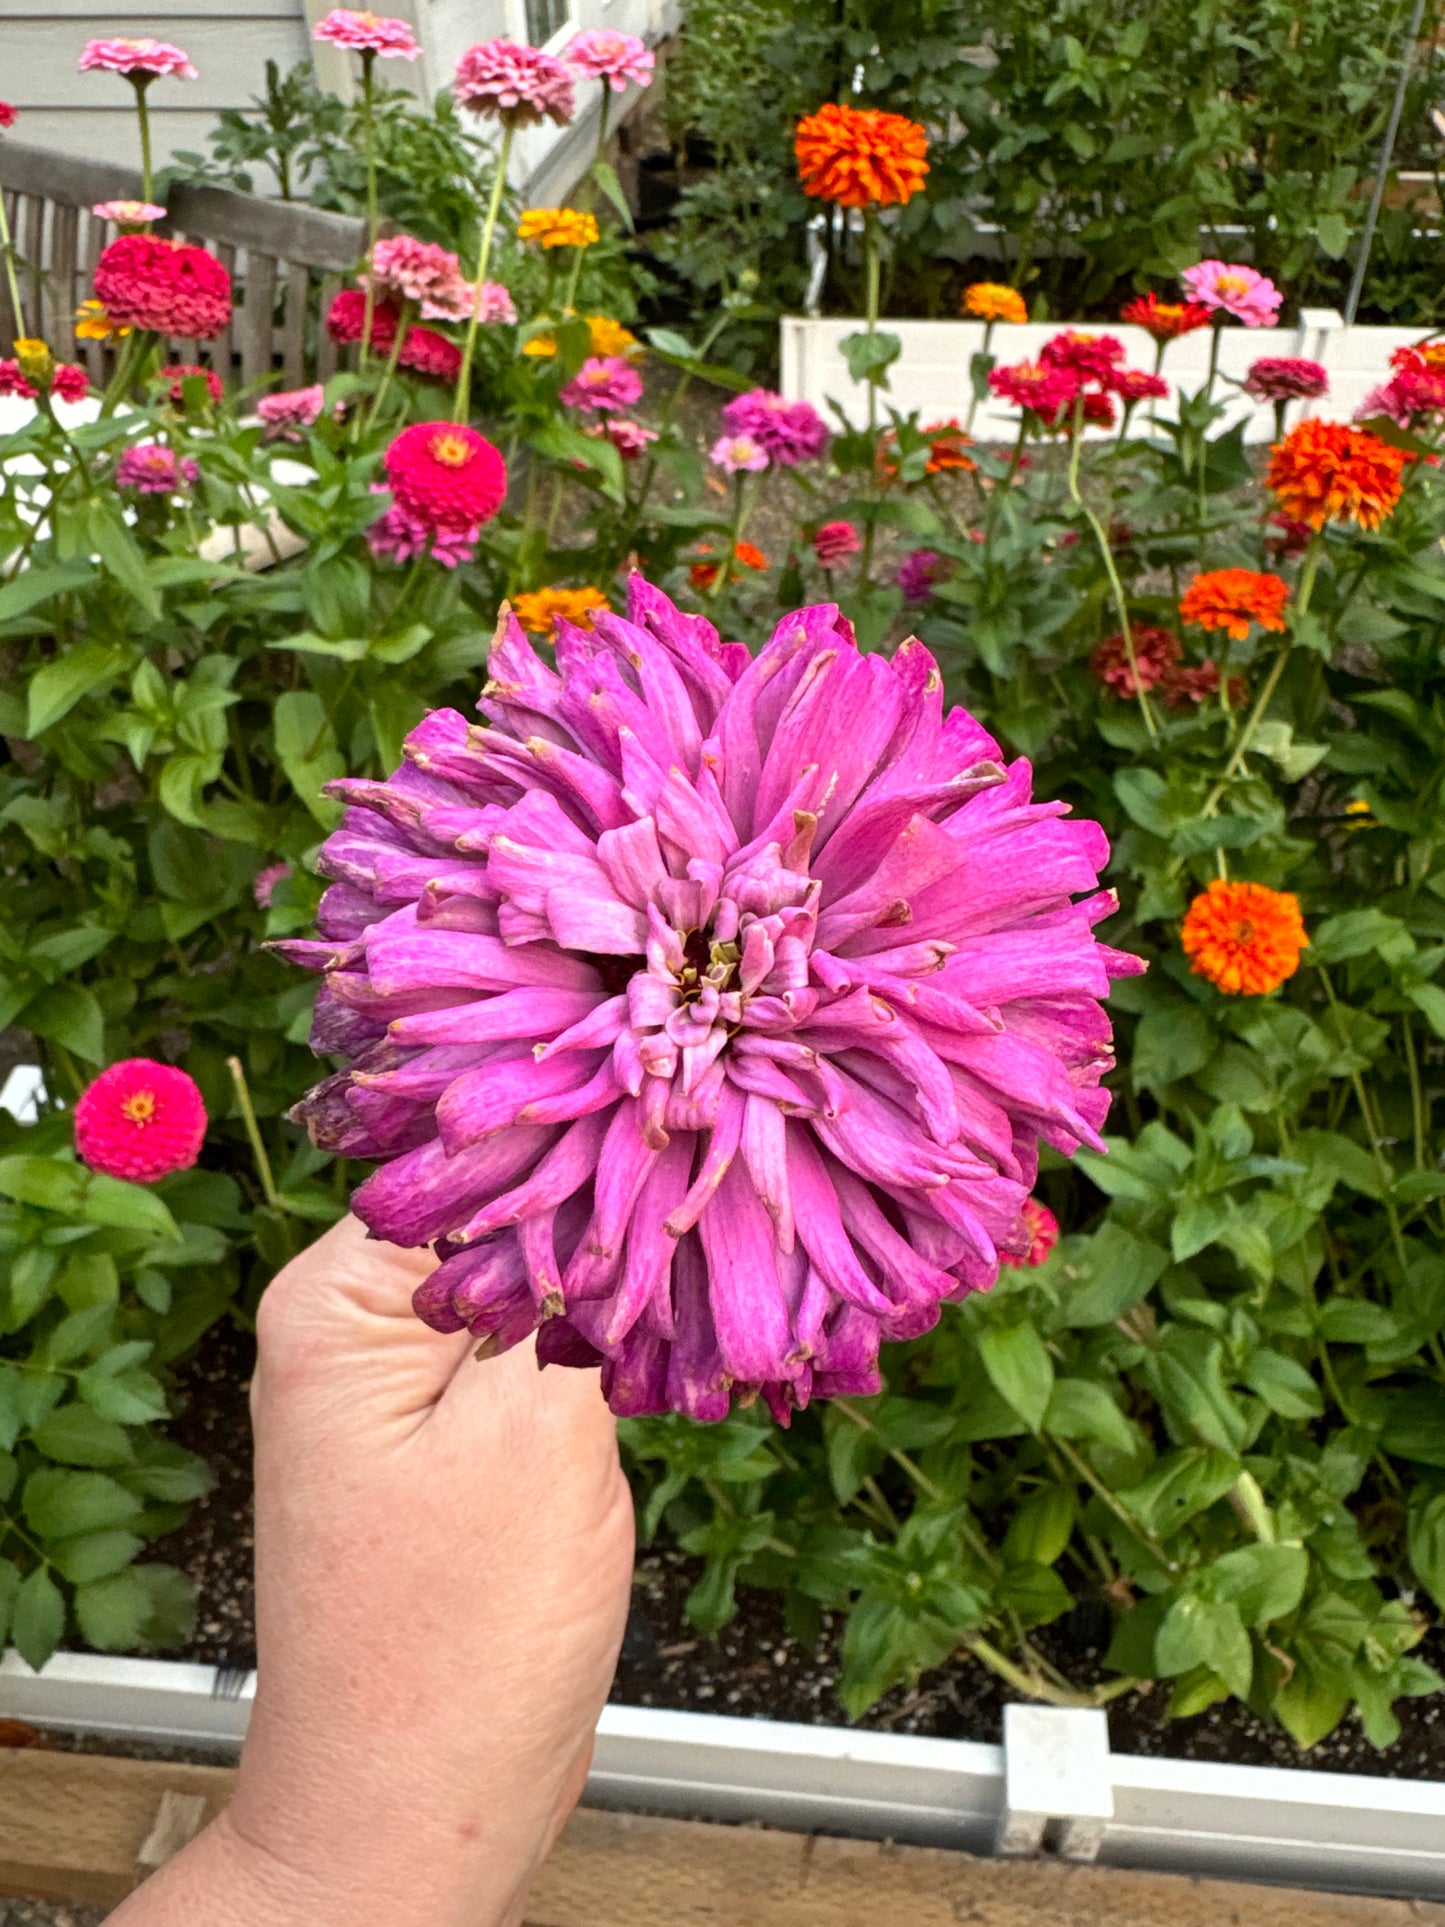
443, 1562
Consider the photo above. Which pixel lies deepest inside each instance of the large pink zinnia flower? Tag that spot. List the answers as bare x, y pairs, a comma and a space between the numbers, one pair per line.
422, 272
446, 475
140, 1120
143, 281
604, 384
519, 85
602, 53
147, 57
788, 432
1085, 356
367, 33
1234, 288
707, 1012
150, 468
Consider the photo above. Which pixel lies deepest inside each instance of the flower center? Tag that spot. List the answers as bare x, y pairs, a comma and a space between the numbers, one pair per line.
139, 1107
451, 450
1244, 931
1231, 284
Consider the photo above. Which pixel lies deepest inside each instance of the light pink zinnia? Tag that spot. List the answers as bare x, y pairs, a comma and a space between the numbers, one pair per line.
150, 468
495, 303
1286, 378
129, 213
292, 410
147, 57
405, 269
1234, 288
629, 438
707, 1012
737, 453
788, 432
604, 384
602, 53
519, 85
263, 884
367, 33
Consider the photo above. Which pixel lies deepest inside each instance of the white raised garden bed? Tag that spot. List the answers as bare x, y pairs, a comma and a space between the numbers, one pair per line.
1054, 1783
932, 374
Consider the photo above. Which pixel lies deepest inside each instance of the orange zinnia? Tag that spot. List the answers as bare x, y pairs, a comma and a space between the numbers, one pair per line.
1244, 937
860, 157
702, 575
992, 301
1230, 599
539, 609
1329, 472
947, 442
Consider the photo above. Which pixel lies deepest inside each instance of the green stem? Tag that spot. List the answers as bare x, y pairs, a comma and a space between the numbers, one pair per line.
588, 199
735, 535
1120, 1511
403, 323
973, 398
1037, 1687
140, 82
870, 258
1417, 1095
253, 1132
7, 244
1362, 1098
1116, 586
489, 229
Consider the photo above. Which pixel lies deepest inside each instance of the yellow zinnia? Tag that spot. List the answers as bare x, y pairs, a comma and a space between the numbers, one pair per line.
538, 609
558, 227
92, 323
605, 337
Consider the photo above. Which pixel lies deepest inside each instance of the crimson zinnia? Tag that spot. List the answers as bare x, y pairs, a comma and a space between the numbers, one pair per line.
707, 1012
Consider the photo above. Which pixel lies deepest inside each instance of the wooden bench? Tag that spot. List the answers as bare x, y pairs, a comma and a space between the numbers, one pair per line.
285, 260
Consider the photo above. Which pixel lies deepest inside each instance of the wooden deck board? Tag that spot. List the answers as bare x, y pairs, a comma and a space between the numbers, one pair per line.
73, 1827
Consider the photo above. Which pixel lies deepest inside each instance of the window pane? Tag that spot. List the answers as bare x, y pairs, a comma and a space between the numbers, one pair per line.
544, 18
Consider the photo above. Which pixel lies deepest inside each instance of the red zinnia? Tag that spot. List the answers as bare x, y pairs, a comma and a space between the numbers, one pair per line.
69, 382
144, 282
1137, 384
176, 375
7, 114
140, 1120
1165, 320
446, 474
424, 351
1156, 651
1090, 357
1039, 1225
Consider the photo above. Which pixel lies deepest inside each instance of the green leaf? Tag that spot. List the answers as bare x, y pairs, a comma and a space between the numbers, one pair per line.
1429, 1000
129, 1398
1359, 933
50, 1182
1332, 231
606, 178
870, 356
306, 749
127, 1207
114, 1613
1020, 1369
1109, 1274
74, 1435
1080, 1408
120, 554
9, 1587
60, 1504
1284, 1385
1205, 1632
1036, 1593
1179, 1486
1261, 1582
70, 1015
1042, 1526
1427, 1541
38, 1618
58, 687
563, 441
95, 1555
1170, 1044
34, 586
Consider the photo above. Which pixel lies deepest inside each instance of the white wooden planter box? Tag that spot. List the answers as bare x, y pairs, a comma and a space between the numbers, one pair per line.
1053, 1782
932, 374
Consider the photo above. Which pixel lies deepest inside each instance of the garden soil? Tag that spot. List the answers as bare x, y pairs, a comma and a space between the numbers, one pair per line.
754, 1668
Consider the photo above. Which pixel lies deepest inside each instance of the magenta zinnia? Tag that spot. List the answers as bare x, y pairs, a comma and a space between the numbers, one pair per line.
707, 1012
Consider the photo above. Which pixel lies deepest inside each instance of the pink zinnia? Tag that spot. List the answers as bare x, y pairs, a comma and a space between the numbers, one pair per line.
421, 272
69, 382
176, 374
129, 214
642, 1037
7, 114
834, 542
1234, 288
446, 475
604, 384
400, 535
1286, 378
1087, 357
423, 350
1156, 651
494, 303
519, 85
12, 382
1415, 389
367, 33
629, 438
1044, 389
789, 432
140, 1121
736, 453
144, 282
602, 53
148, 58
263, 884
918, 572
287, 413
1133, 385
1037, 1234
150, 468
